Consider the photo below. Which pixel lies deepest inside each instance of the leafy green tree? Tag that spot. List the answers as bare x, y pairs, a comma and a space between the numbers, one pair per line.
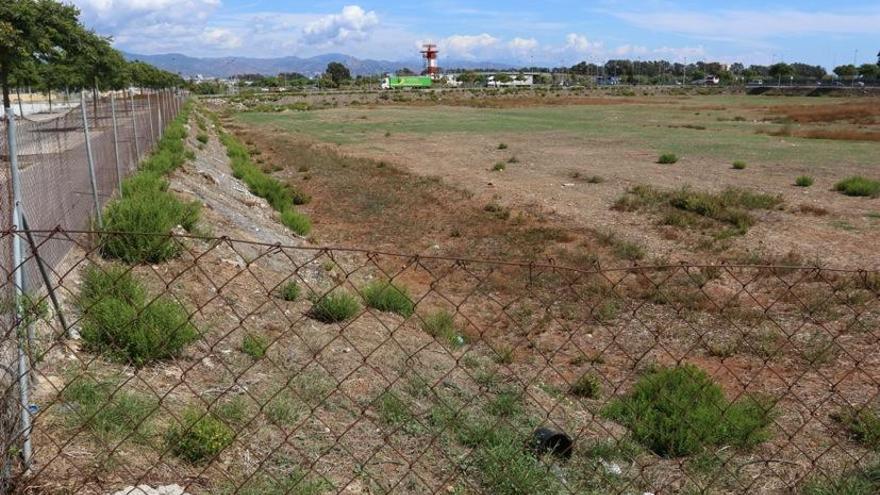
781, 71
869, 71
338, 73
846, 71
34, 32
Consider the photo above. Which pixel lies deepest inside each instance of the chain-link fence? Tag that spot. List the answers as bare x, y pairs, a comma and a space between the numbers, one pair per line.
252, 368
69, 164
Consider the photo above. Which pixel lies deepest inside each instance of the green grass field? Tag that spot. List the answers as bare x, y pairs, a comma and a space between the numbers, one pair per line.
688, 127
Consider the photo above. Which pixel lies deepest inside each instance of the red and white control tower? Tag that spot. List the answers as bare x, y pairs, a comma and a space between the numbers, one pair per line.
429, 53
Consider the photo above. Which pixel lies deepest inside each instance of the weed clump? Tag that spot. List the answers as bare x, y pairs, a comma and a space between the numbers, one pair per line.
201, 437
441, 325
667, 159
107, 411
863, 425
386, 296
857, 482
202, 138
334, 307
296, 221
122, 322
678, 411
502, 146
739, 165
804, 181
859, 186
499, 167
289, 291
586, 386
254, 345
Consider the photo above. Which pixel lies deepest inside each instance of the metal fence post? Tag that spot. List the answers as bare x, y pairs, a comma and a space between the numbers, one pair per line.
82, 100
115, 139
18, 283
134, 130
150, 113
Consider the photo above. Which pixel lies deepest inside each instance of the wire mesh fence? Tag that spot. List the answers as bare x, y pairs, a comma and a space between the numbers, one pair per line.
242, 367
53, 153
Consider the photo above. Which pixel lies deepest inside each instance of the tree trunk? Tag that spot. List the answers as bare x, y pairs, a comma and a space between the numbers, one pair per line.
20, 108
4, 82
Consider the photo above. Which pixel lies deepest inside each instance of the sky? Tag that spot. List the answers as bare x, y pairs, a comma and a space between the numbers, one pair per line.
543, 32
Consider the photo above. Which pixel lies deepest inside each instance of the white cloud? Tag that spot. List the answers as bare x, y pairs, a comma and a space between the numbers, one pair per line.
468, 46
630, 50
523, 44
220, 38
747, 25
352, 24
110, 14
579, 43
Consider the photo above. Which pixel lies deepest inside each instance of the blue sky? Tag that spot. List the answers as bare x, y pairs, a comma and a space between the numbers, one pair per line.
548, 32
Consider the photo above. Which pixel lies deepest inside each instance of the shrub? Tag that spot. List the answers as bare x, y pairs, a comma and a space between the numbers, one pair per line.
289, 291
334, 307
201, 437
587, 386
202, 138
803, 181
678, 411
254, 345
667, 159
859, 186
146, 207
386, 296
502, 146
739, 165
297, 222
120, 321
499, 167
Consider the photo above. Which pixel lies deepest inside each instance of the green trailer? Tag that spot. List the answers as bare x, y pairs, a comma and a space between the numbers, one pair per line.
407, 82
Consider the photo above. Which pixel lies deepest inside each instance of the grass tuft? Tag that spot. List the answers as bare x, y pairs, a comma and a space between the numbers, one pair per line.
254, 345
106, 410
297, 222
386, 296
502, 146
678, 411
334, 307
857, 482
201, 437
441, 325
859, 186
804, 181
120, 321
499, 167
667, 158
862, 425
289, 291
739, 165
586, 386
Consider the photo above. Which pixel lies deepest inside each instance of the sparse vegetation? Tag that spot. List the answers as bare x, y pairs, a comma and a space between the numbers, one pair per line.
678, 411
107, 409
202, 138
862, 424
254, 345
859, 186
201, 437
281, 197
864, 481
586, 386
121, 321
441, 325
334, 307
386, 296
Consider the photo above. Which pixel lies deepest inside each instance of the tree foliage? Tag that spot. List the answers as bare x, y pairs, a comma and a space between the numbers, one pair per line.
337, 73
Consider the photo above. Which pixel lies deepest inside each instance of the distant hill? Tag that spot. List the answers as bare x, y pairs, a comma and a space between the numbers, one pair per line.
229, 66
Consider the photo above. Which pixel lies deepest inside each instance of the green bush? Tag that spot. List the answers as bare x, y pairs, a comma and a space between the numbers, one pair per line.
289, 291
803, 181
334, 307
201, 437
120, 320
499, 167
295, 221
146, 207
202, 138
667, 159
739, 165
502, 146
678, 411
386, 296
586, 386
859, 186
254, 345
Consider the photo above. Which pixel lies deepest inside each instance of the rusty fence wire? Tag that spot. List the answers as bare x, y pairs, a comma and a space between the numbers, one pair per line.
248, 368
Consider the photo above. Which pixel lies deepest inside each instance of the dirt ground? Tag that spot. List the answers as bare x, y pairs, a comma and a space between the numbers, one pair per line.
552, 167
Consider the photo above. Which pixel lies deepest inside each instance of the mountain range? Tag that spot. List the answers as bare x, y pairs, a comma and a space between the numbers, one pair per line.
188, 66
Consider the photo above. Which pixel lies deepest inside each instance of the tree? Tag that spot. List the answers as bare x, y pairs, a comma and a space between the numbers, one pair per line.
869, 71
338, 73
846, 71
34, 32
781, 70
405, 72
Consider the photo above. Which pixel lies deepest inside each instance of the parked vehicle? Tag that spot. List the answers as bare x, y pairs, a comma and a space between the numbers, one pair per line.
399, 82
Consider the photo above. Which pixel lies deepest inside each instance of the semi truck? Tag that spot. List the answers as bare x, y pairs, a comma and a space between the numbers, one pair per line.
400, 82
